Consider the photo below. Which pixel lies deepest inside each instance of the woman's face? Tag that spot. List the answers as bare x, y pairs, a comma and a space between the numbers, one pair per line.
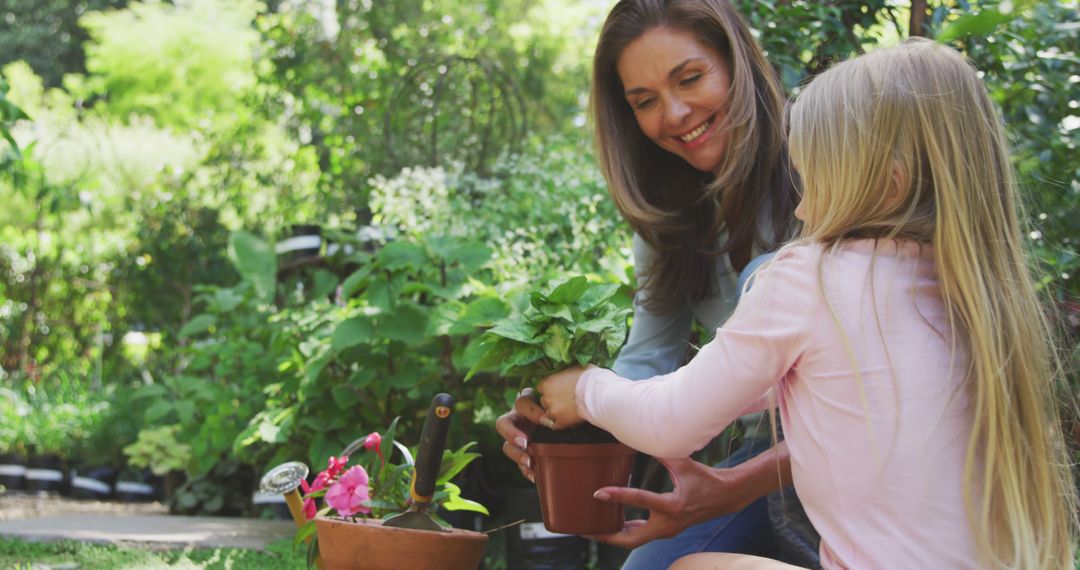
678, 89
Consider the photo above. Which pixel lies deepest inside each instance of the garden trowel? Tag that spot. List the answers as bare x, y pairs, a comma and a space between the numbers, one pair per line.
426, 468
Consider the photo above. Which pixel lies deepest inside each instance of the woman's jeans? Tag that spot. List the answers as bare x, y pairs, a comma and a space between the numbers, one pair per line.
745, 532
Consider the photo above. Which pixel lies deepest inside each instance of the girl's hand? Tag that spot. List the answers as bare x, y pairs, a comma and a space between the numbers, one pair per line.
557, 397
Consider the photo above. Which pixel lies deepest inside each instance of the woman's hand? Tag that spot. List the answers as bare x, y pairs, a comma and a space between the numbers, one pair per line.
701, 493
557, 398
516, 426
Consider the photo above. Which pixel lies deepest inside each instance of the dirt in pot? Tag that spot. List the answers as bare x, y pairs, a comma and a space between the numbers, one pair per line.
584, 433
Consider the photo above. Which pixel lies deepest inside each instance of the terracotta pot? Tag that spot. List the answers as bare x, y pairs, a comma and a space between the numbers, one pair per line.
567, 475
368, 545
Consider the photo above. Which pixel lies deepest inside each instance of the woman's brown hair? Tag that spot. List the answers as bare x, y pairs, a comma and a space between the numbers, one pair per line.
676, 209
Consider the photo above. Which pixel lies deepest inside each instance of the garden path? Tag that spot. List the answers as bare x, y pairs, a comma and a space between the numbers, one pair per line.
33, 518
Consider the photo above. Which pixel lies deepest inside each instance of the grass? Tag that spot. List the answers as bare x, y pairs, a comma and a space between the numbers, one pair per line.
18, 554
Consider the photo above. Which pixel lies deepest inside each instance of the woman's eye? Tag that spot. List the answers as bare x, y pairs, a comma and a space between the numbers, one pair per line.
644, 103
690, 80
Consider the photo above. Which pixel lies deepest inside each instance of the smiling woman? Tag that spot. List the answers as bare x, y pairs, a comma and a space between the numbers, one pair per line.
688, 116
678, 89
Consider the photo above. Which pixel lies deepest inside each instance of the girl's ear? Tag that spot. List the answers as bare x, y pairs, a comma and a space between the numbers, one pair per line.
898, 185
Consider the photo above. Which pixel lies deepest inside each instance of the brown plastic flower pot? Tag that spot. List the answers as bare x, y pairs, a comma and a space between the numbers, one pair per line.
366, 544
567, 475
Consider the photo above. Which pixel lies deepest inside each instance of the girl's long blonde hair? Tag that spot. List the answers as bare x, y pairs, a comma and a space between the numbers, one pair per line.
905, 142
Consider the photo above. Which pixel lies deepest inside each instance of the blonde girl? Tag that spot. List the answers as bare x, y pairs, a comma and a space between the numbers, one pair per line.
901, 334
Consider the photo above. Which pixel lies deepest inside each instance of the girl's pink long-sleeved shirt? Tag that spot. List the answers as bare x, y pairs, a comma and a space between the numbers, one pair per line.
856, 345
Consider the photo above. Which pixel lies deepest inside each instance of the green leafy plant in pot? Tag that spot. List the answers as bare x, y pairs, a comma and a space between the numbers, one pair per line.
575, 324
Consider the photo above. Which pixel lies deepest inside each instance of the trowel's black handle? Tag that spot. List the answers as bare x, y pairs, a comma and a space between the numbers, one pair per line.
432, 442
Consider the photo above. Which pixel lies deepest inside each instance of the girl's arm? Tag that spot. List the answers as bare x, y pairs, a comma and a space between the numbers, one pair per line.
676, 414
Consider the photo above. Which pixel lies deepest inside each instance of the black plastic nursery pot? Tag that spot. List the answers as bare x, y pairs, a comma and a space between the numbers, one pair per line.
530, 546
45, 474
304, 241
96, 483
142, 489
12, 471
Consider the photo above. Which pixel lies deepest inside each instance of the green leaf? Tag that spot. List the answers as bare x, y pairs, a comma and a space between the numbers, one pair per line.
256, 262
593, 326
227, 298
345, 396
514, 329
483, 312
361, 378
614, 338
380, 294
557, 344
402, 254
468, 254
157, 411
412, 289
537, 299
185, 411
150, 391
325, 283
569, 291
596, 295
455, 502
407, 374
465, 359
982, 24
453, 462
351, 332
304, 532
200, 323
314, 366
559, 311
492, 356
525, 356
407, 324
353, 282
442, 318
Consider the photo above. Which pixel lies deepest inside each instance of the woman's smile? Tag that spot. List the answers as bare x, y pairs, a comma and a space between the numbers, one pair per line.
699, 135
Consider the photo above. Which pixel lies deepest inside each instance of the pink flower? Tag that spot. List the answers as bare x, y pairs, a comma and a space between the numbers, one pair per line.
320, 483
335, 465
373, 440
350, 491
309, 509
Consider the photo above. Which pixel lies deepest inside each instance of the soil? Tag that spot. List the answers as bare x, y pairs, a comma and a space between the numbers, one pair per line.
32, 505
584, 433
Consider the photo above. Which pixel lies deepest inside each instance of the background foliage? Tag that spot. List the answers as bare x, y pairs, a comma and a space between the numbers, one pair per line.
153, 153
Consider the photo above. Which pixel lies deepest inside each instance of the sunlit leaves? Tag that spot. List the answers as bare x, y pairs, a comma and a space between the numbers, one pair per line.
574, 323
256, 262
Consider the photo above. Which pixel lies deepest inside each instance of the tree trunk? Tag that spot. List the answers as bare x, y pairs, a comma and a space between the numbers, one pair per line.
917, 24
